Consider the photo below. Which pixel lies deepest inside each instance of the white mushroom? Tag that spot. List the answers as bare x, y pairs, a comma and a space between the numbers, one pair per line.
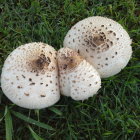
30, 76
102, 42
78, 78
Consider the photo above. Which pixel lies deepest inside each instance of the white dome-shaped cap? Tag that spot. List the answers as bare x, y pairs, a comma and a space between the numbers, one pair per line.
102, 42
30, 76
77, 77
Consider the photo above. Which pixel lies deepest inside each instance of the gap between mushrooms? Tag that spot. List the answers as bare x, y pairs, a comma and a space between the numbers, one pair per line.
102, 42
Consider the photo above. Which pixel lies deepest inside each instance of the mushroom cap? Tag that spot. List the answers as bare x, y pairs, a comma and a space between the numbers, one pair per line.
30, 76
77, 77
102, 42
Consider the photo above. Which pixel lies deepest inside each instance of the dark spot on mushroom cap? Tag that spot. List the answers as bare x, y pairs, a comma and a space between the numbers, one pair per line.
111, 43
32, 83
91, 76
74, 81
110, 31
19, 86
107, 45
39, 63
30, 79
23, 76
96, 41
69, 61
17, 77
50, 53
27, 94
65, 66
114, 33
42, 95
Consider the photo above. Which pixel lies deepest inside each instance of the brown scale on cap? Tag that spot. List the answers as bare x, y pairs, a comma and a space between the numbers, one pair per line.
97, 40
68, 60
39, 64
42, 95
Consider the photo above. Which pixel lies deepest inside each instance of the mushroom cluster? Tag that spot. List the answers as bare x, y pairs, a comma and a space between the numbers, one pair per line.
34, 74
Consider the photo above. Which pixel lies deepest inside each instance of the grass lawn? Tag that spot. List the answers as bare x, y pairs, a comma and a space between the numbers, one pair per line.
113, 114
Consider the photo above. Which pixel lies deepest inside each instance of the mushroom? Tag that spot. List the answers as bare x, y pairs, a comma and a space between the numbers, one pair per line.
77, 77
102, 42
30, 76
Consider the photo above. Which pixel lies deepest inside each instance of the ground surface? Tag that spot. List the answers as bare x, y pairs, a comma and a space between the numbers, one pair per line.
114, 114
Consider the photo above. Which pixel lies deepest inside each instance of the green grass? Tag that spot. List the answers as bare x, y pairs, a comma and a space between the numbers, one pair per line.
114, 114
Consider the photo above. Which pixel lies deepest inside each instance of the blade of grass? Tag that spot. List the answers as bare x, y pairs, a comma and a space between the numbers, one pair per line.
31, 121
8, 124
55, 110
136, 124
5, 112
35, 136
